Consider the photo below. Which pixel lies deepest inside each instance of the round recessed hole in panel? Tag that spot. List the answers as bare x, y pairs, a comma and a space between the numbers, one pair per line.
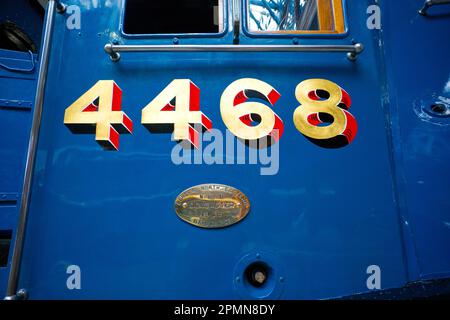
258, 276
439, 110
434, 109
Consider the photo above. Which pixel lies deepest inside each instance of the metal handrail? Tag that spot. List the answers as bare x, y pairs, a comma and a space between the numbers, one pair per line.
11, 292
429, 3
113, 50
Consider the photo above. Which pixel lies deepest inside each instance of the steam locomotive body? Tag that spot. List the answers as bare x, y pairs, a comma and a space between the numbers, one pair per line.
224, 149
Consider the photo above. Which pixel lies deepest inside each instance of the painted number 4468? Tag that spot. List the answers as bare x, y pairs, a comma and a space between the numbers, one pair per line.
322, 117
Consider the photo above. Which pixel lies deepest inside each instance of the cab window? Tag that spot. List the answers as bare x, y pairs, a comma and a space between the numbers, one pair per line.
173, 17
295, 16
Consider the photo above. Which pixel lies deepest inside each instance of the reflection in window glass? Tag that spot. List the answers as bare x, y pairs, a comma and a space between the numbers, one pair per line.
295, 16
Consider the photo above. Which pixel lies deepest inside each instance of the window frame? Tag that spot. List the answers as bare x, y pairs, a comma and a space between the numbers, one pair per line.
341, 33
175, 35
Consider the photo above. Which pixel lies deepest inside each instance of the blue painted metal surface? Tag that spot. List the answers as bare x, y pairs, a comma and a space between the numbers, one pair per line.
319, 223
17, 90
418, 69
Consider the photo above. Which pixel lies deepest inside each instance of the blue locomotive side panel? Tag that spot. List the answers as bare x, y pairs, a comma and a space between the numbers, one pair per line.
238, 153
419, 102
20, 35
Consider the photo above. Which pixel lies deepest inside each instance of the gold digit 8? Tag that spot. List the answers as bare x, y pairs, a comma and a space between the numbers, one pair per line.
322, 116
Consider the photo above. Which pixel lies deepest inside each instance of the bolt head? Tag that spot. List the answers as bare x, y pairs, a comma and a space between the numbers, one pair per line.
22, 294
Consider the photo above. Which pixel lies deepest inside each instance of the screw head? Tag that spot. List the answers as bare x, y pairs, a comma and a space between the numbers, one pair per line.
351, 56
22, 294
115, 57
60, 8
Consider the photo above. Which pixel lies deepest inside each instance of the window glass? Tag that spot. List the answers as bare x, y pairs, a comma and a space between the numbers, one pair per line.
295, 16
173, 17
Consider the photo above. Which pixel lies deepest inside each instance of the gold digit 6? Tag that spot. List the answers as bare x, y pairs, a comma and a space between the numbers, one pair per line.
239, 115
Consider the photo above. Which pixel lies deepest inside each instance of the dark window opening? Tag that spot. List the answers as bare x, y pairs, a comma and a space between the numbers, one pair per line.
12, 37
5, 243
21, 24
173, 17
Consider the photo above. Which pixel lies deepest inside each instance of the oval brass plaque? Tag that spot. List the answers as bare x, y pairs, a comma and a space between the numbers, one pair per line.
212, 205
